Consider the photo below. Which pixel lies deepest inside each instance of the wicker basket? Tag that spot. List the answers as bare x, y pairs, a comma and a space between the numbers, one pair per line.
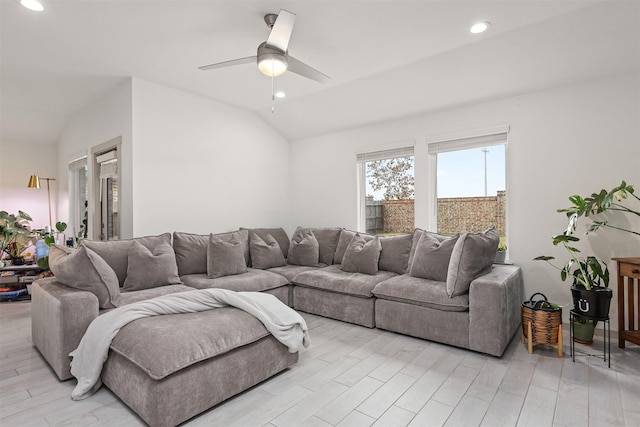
541, 323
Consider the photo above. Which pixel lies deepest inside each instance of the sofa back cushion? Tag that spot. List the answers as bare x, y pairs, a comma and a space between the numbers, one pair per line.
472, 257
191, 250
432, 256
328, 240
265, 253
116, 252
395, 253
85, 270
151, 269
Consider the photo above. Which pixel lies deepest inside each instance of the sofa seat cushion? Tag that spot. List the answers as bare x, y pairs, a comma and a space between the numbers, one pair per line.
141, 295
423, 292
253, 280
290, 270
162, 345
333, 279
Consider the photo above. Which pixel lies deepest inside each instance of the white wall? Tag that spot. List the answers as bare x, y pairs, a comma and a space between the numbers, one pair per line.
564, 141
103, 121
18, 161
203, 166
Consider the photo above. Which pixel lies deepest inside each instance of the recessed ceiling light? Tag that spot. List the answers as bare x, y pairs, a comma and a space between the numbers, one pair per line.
480, 27
32, 5
280, 94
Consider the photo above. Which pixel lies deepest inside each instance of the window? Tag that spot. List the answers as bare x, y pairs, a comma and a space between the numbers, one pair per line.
107, 201
78, 198
386, 191
470, 183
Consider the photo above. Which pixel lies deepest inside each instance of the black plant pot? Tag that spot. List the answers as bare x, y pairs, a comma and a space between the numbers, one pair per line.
17, 260
594, 303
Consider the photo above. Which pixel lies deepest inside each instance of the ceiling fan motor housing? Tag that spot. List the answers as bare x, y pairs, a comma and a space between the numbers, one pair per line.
271, 61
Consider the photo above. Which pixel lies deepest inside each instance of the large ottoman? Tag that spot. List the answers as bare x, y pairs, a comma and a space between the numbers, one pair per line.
170, 368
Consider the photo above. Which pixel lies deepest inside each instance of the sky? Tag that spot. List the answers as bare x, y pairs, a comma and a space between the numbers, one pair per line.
461, 173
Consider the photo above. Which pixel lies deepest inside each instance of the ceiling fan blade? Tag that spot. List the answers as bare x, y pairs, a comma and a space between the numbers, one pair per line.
281, 31
299, 67
230, 63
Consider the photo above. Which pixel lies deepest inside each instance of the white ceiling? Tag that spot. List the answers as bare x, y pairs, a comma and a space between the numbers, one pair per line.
387, 59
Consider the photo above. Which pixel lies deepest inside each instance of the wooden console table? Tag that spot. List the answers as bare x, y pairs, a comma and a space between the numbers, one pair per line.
629, 272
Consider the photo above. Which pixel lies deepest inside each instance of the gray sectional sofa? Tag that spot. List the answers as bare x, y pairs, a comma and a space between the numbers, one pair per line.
439, 288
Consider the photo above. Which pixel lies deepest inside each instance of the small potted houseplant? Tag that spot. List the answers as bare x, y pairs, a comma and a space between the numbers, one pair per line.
590, 283
501, 254
15, 234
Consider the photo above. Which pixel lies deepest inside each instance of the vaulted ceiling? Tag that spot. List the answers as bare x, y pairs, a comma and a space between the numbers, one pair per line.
386, 59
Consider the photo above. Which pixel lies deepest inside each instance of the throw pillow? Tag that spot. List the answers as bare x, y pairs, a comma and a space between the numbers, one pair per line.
116, 252
362, 256
395, 253
431, 257
343, 242
265, 253
225, 258
304, 248
472, 257
191, 249
151, 269
417, 233
85, 270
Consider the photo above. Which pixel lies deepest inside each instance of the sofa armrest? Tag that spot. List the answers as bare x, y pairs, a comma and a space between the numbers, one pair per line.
494, 309
59, 318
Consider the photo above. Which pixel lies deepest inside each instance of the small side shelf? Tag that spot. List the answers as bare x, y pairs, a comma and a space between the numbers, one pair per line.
628, 300
14, 280
607, 336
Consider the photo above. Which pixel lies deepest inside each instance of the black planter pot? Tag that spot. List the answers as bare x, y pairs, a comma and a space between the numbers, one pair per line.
594, 303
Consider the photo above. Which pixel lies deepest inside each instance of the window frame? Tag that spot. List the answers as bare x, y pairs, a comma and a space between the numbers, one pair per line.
390, 151
498, 135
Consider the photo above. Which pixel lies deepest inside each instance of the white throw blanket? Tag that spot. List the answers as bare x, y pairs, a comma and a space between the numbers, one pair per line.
286, 325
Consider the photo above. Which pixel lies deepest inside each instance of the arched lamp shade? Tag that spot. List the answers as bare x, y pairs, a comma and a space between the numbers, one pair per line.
34, 182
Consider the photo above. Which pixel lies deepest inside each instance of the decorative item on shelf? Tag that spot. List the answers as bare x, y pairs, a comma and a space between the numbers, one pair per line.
501, 254
541, 323
589, 275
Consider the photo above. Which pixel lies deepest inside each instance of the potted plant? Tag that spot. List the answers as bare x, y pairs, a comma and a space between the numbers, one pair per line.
501, 254
590, 283
15, 234
49, 239
590, 276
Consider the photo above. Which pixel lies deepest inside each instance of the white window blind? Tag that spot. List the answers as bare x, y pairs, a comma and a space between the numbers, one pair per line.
109, 169
385, 154
78, 164
494, 137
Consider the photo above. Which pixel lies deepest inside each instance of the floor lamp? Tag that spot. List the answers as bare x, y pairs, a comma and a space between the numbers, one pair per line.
34, 182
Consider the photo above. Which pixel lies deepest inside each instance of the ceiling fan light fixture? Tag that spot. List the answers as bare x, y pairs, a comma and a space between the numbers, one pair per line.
32, 5
272, 64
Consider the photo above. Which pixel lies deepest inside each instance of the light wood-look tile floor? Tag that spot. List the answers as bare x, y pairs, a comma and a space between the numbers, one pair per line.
355, 376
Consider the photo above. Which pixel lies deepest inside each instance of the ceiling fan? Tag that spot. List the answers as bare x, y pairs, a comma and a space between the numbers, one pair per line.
273, 57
